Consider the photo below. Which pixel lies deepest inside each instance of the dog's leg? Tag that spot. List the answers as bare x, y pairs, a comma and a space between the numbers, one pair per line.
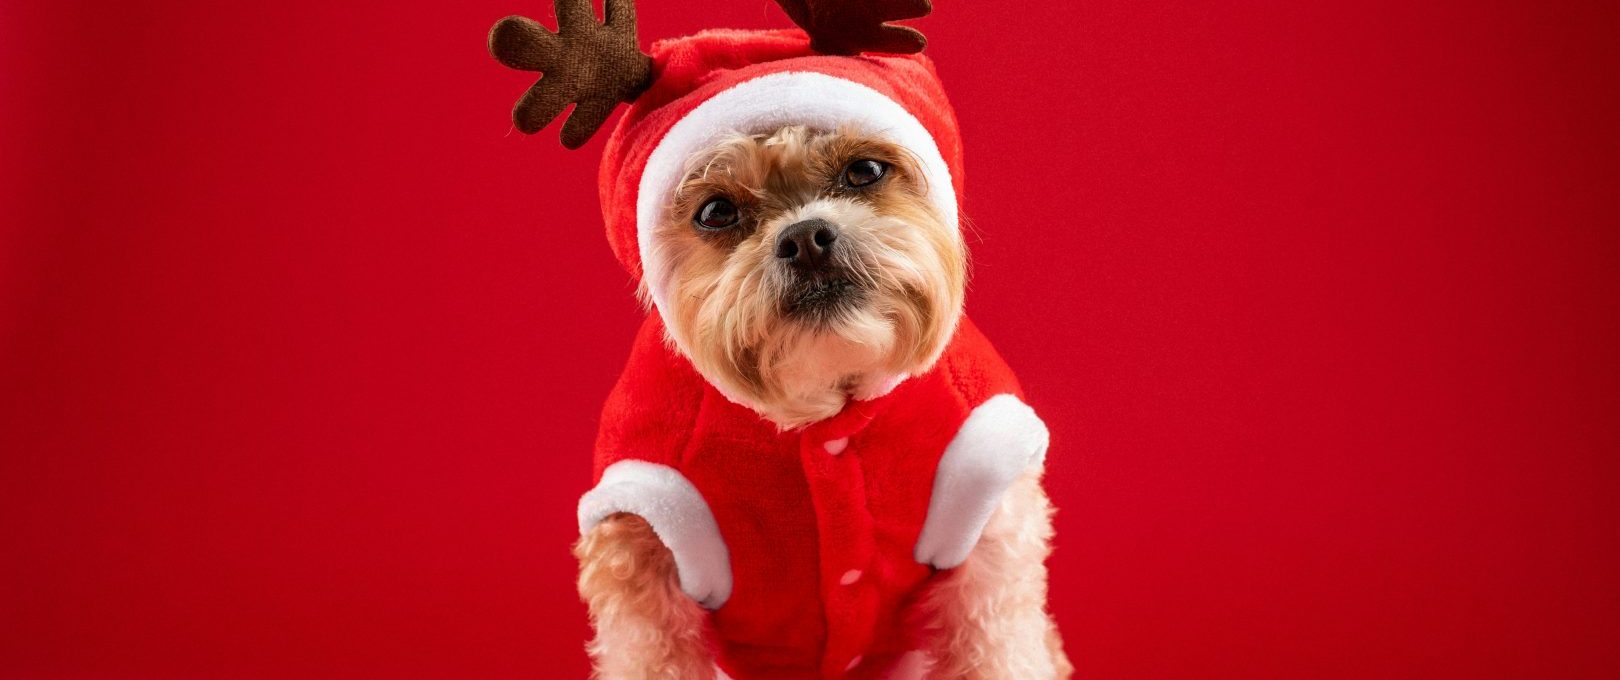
987, 619
646, 628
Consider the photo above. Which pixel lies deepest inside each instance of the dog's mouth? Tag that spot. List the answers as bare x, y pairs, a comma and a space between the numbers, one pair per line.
821, 300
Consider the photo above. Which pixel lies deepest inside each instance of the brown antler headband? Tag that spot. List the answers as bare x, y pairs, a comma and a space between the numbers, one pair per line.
593, 65
597, 65
855, 26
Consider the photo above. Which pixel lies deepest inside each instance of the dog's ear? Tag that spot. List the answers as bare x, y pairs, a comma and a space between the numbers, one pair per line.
592, 65
856, 26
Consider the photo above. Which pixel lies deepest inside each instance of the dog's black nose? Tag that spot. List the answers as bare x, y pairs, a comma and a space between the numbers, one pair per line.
807, 244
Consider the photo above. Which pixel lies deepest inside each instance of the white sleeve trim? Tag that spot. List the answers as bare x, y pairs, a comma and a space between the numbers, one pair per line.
998, 441
679, 515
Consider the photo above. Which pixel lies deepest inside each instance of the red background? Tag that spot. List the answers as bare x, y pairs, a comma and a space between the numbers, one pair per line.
301, 347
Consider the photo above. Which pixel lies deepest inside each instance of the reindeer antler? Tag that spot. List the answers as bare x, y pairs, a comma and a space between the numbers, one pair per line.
596, 65
855, 26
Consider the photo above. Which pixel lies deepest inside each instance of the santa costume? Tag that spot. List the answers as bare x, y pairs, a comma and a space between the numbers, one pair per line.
806, 546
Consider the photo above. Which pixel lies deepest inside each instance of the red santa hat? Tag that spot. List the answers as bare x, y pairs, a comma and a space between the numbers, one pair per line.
690, 92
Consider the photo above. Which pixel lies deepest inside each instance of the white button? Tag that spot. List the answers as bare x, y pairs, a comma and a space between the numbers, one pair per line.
836, 446
853, 663
849, 577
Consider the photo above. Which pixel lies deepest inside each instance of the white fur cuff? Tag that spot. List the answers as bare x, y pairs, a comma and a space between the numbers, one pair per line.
677, 513
998, 441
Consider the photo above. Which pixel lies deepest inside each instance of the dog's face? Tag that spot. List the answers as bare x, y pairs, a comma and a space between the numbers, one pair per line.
808, 267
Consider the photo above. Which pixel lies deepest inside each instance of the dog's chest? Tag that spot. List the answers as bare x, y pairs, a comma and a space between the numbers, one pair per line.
821, 523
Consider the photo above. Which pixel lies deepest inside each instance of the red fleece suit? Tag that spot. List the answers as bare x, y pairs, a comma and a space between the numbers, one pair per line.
819, 527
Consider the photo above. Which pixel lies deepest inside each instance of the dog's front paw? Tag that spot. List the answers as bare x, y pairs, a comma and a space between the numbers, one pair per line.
646, 627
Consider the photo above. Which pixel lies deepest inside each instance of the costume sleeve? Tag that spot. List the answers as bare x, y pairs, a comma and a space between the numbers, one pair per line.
1000, 438
646, 424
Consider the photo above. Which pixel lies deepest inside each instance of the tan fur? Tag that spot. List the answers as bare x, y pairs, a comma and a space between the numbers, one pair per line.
646, 628
985, 620
725, 290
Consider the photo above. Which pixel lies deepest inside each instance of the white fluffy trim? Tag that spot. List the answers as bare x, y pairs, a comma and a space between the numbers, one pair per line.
677, 512
763, 104
998, 441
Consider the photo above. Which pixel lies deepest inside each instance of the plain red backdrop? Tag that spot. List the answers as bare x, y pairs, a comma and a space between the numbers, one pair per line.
302, 346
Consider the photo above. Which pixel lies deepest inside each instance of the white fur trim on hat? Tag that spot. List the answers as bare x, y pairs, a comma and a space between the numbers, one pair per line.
764, 104
677, 513
998, 441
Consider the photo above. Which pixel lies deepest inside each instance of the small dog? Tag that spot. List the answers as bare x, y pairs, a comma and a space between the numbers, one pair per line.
808, 271
814, 465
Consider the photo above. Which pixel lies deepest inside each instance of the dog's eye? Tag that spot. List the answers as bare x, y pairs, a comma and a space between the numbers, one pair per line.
864, 172
718, 213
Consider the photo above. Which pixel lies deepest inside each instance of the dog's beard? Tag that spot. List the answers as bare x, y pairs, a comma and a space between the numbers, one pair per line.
796, 346
822, 300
